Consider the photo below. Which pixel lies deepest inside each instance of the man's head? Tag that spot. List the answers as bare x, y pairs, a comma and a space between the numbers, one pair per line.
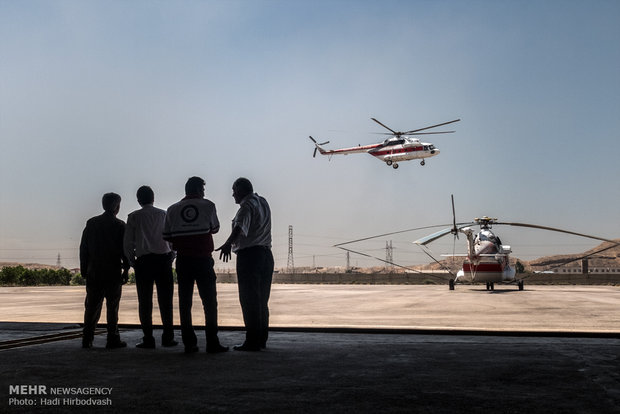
145, 195
111, 203
195, 186
241, 188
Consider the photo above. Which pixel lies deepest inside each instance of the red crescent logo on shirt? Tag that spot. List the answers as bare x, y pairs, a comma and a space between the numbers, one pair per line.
189, 213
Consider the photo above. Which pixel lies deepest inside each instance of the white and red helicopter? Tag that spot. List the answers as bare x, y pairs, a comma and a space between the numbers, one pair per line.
488, 260
400, 146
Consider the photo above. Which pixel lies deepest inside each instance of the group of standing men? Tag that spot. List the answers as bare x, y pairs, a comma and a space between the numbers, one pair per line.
149, 243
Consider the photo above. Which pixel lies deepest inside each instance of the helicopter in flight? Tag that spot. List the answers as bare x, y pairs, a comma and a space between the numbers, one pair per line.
400, 146
488, 260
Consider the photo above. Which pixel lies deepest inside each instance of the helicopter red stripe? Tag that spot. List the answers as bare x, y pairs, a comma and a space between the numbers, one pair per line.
483, 267
361, 148
397, 151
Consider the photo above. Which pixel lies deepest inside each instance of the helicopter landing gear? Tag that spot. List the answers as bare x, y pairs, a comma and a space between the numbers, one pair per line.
451, 283
520, 284
422, 162
395, 166
490, 286
389, 162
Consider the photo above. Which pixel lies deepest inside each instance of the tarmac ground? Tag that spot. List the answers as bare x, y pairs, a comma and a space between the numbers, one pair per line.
425, 349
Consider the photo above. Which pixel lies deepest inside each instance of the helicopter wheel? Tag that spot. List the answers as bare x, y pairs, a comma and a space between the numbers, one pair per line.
520, 284
422, 162
389, 162
395, 166
451, 282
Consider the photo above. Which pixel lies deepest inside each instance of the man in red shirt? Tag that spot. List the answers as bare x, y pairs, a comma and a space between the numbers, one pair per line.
189, 226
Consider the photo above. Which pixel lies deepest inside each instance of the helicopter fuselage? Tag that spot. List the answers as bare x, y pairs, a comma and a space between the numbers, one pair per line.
487, 259
391, 150
403, 149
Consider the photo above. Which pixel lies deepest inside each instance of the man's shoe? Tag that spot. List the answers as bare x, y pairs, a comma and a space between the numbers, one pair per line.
146, 345
216, 349
247, 347
169, 343
87, 343
115, 344
191, 349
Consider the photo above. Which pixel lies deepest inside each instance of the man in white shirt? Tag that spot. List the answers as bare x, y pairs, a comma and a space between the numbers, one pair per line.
250, 239
151, 257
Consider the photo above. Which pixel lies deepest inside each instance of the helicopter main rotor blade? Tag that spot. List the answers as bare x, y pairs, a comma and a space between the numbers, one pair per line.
432, 237
413, 133
389, 234
454, 229
536, 226
429, 127
428, 133
388, 128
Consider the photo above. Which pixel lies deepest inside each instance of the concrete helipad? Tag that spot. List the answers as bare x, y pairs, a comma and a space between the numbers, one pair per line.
538, 308
546, 349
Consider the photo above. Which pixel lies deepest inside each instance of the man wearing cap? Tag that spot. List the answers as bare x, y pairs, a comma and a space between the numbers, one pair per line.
189, 226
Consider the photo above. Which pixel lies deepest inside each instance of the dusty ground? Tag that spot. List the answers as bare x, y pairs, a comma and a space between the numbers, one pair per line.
555, 308
570, 365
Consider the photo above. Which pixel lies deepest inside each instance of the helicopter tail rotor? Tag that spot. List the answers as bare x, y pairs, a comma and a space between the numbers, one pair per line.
317, 146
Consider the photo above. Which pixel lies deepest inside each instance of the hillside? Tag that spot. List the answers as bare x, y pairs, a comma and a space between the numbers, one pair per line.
604, 255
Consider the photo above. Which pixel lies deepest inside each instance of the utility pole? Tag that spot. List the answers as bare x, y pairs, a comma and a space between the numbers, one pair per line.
348, 263
58, 261
290, 264
389, 258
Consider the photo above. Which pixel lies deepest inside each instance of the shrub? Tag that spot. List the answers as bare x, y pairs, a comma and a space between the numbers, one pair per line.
20, 276
77, 280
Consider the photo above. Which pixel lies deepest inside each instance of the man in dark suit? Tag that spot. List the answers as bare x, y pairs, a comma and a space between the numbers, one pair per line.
105, 267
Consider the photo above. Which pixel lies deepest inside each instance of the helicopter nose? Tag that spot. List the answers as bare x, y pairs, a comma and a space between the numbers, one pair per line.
435, 151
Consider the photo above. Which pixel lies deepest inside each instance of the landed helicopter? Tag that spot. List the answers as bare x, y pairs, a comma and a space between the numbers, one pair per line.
487, 259
400, 146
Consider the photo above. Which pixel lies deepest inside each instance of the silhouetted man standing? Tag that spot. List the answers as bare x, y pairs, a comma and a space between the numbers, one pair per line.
189, 225
251, 240
151, 257
105, 267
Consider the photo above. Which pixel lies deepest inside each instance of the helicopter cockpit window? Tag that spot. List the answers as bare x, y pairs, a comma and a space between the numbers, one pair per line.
390, 142
485, 236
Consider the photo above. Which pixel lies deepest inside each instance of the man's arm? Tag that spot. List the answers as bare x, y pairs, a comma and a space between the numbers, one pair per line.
129, 241
225, 249
84, 252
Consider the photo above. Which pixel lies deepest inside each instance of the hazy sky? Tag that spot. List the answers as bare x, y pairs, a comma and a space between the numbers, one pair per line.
99, 96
